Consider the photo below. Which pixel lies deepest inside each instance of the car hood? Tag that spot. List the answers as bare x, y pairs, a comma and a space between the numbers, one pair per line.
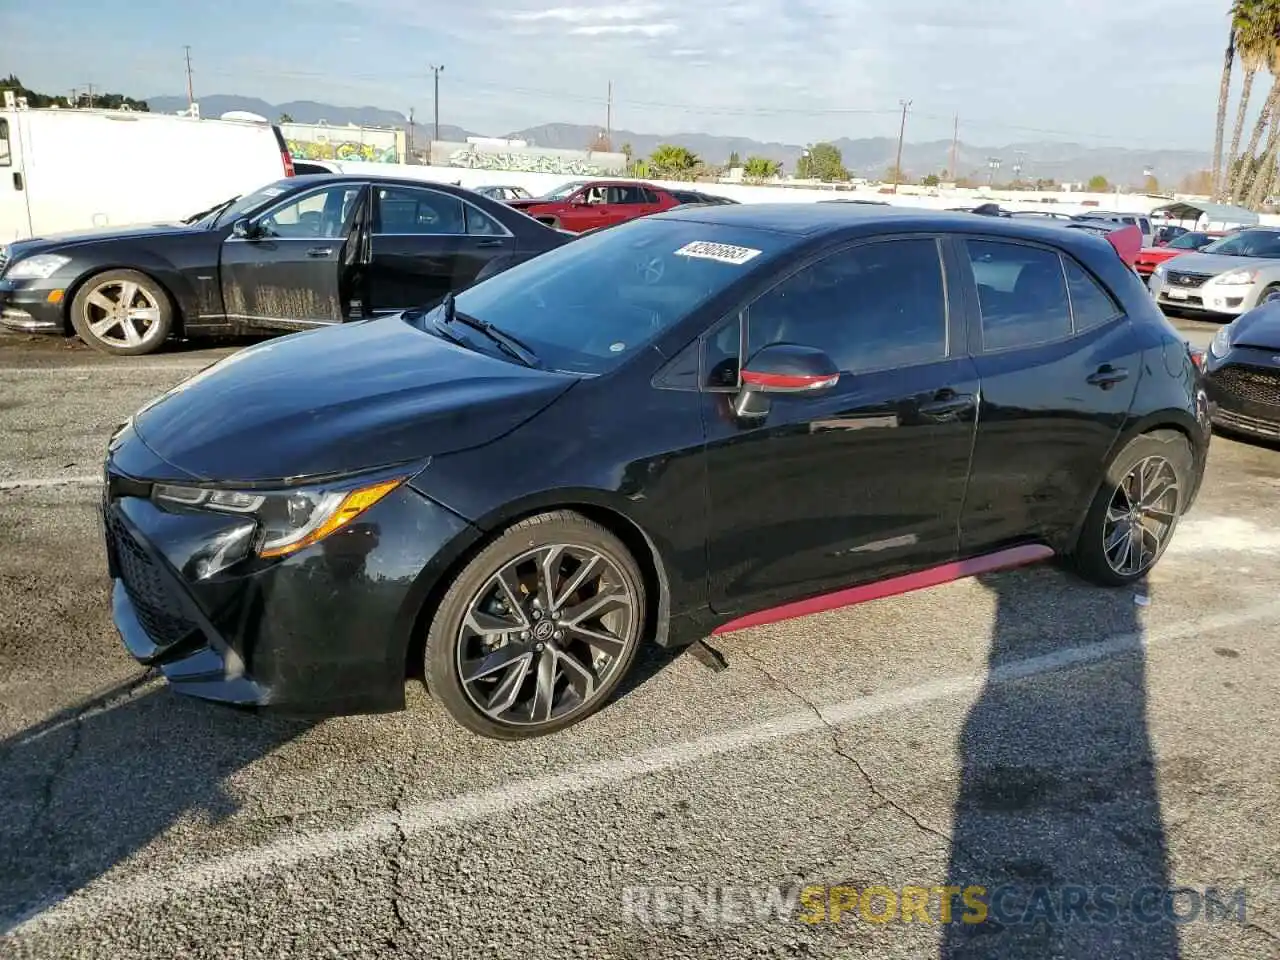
55, 241
1214, 263
1259, 328
339, 400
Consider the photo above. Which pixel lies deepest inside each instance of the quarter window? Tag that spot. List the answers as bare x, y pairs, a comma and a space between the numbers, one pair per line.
871, 307
6, 158
480, 224
1091, 306
409, 210
323, 213
1022, 294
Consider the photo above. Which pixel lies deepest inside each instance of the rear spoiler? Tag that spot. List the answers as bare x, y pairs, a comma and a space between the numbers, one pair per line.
1127, 242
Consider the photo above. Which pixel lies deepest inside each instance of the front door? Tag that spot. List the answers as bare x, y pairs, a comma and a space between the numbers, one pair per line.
1059, 363
864, 481
291, 269
15, 211
586, 209
427, 243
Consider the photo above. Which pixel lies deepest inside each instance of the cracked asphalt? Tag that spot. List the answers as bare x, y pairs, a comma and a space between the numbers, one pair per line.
1019, 732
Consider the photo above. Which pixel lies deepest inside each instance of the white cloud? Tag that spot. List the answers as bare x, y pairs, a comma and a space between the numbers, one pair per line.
583, 14
623, 29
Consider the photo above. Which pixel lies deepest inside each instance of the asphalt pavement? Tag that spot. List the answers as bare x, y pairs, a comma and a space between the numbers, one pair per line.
1022, 733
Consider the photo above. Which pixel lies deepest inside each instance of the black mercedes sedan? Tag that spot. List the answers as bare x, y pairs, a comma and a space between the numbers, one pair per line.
711, 418
1242, 373
304, 252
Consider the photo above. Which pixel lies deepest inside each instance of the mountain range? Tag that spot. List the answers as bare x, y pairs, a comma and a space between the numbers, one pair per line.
866, 156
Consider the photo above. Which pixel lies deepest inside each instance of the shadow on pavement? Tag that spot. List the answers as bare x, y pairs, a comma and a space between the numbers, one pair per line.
1058, 812
96, 783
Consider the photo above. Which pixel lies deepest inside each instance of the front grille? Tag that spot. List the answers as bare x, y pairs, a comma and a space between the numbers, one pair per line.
156, 608
4, 258
1175, 278
1254, 384
1238, 421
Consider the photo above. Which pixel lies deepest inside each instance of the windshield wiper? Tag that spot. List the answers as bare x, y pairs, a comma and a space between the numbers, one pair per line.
511, 346
216, 209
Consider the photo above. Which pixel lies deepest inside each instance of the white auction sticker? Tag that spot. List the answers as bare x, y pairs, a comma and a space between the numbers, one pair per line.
723, 252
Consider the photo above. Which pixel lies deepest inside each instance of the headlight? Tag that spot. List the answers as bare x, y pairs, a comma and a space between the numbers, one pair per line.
40, 267
1238, 277
286, 520
1220, 345
1159, 270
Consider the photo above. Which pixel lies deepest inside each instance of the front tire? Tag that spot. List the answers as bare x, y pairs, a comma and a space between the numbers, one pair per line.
122, 312
538, 630
1136, 510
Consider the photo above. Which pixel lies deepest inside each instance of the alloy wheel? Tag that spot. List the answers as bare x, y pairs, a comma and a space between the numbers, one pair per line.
122, 313
1141, 516
545, 634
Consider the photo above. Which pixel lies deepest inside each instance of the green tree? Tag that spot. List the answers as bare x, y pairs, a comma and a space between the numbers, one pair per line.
1257, 24
35, 99
626, 151
1098, 184
677, 163
932, 180
285, 118
822, 162
1150, 185
761, 168
734, 160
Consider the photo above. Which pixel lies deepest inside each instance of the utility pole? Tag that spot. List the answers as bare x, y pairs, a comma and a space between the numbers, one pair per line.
955, 143
191, 96
75, 97
90, 86
437, 70
408, 136
608, 117
902, 130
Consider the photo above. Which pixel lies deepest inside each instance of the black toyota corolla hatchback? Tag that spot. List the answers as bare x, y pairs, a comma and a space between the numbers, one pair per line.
698, 421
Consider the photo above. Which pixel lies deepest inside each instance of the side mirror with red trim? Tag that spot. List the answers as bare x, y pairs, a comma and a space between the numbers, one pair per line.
783, 368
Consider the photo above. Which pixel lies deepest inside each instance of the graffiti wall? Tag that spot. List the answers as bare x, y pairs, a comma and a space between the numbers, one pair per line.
570, 163
319, 141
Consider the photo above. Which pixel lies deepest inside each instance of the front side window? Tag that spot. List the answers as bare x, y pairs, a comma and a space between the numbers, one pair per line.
412, 210
589, 305
1022, 294
6, 158
875, 306
322, 214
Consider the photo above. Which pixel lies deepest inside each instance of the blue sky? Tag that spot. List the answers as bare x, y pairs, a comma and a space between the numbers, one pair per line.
1140, 73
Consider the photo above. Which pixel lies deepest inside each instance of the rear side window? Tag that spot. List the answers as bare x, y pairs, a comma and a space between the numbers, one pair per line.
875, 306
1091, 306
5, 157
410, 210
649, 195
1022, 294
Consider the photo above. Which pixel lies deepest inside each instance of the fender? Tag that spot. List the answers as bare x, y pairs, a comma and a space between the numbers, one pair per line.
158, 268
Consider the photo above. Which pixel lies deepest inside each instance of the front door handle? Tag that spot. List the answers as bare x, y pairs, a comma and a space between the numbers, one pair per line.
17, 180
1107, 376
946, 404
320, 252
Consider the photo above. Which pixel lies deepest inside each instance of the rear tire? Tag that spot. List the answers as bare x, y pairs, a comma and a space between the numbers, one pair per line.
543, 624
1136, 510
122, 312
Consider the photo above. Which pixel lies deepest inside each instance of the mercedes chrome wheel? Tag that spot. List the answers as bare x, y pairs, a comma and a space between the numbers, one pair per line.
122, 312
539, 628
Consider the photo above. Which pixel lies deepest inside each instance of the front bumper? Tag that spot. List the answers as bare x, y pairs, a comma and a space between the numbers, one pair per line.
1220, 299
324, 631
26, 306
1244, 393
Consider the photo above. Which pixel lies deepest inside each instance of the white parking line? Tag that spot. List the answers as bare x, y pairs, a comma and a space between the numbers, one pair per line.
82, 479
148, 890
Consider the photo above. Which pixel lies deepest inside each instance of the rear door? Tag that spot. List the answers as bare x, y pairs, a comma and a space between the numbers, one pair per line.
427, 243
293, 268
628, 201
15, 212
1059, 363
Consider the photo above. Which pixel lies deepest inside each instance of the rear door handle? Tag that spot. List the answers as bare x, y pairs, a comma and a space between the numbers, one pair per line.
1107, 376
17, 180
320, 251
946, 404
489, 243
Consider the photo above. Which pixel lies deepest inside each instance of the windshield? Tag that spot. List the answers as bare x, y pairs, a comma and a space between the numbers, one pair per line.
1247, 243
251, 201
589, 305
559, 193
1188, 241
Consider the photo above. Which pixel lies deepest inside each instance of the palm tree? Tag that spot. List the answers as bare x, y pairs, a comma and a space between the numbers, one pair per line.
1224, 95
1258, 41
1254, 47
670, 160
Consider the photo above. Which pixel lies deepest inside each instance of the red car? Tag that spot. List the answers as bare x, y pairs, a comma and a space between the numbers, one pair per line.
1151, 257
588, 204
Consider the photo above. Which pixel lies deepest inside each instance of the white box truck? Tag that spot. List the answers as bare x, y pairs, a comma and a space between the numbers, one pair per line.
63, 170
